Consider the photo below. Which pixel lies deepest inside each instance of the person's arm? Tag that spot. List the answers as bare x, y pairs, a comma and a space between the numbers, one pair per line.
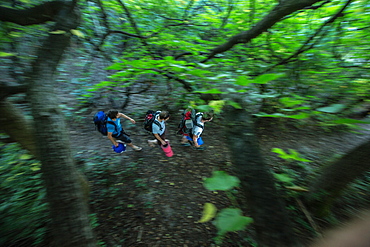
110, 137
127, 117
159, 139
195, 140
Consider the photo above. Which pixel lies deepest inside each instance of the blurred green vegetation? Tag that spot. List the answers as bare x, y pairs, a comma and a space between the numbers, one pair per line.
23, 209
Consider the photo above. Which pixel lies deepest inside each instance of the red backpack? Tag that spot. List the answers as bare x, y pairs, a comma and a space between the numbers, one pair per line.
188, 121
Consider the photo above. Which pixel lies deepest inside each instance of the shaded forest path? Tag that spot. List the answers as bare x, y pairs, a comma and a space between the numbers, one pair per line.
147, 199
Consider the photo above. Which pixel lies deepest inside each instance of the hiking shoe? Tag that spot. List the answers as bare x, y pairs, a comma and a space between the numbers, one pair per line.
136, 148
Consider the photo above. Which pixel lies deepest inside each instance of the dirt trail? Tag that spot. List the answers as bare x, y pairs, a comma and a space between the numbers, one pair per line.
147, 199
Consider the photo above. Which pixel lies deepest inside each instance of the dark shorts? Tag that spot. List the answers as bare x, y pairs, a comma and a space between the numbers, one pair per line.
163, 137
123, 137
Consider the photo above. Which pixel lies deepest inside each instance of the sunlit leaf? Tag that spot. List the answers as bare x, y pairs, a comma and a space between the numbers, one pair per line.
292, 155
281, 153
25, 157
265, 78
289, 102
209, 212
211, 91
58, 32
78, 33
217, 105
35, 168
6, 54
243, 81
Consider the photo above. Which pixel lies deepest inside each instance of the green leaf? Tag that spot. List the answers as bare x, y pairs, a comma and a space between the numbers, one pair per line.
209, 211
281, 153
289, 102
230, 220
78, 33
234, 104
6, 54
265, 78
211, 91
335, 108
217, 105
204, 108
25, 157
221, 181
58, 32
283, 178
115, 66
294, 155
243, 81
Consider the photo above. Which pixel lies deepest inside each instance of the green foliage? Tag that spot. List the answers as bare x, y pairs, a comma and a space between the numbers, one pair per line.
284, 178
293, 155
23, 209
228, 219
335, 108
331, 67
220, 180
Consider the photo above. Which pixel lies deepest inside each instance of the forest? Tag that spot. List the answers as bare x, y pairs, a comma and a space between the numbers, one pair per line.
286, 155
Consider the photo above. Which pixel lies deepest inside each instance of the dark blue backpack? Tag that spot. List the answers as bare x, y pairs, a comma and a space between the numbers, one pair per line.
100, 120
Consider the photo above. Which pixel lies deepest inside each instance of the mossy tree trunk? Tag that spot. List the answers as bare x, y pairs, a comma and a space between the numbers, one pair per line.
271, 221
68, 207
334, 178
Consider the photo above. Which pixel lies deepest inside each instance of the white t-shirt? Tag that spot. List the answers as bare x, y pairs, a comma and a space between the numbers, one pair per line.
198, 130
156, 129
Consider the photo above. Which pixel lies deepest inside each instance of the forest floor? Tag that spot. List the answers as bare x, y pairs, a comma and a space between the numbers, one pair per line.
147, 199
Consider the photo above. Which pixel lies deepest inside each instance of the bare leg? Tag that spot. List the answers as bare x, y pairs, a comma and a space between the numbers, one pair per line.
134, 147
184, 140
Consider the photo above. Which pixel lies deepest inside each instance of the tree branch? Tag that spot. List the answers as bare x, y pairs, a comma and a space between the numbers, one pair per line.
309, 44
186, 84
133, 23
284, 8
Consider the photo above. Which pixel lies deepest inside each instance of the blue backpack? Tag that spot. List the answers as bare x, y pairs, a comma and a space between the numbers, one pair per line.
100, 120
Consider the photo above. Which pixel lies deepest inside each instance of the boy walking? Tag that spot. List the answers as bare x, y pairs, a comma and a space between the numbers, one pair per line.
115, 130
196, 132
159, 129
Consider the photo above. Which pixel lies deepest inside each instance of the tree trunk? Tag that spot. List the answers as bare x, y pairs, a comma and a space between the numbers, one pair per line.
271, 221
69, 211
13, 122
336, 177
